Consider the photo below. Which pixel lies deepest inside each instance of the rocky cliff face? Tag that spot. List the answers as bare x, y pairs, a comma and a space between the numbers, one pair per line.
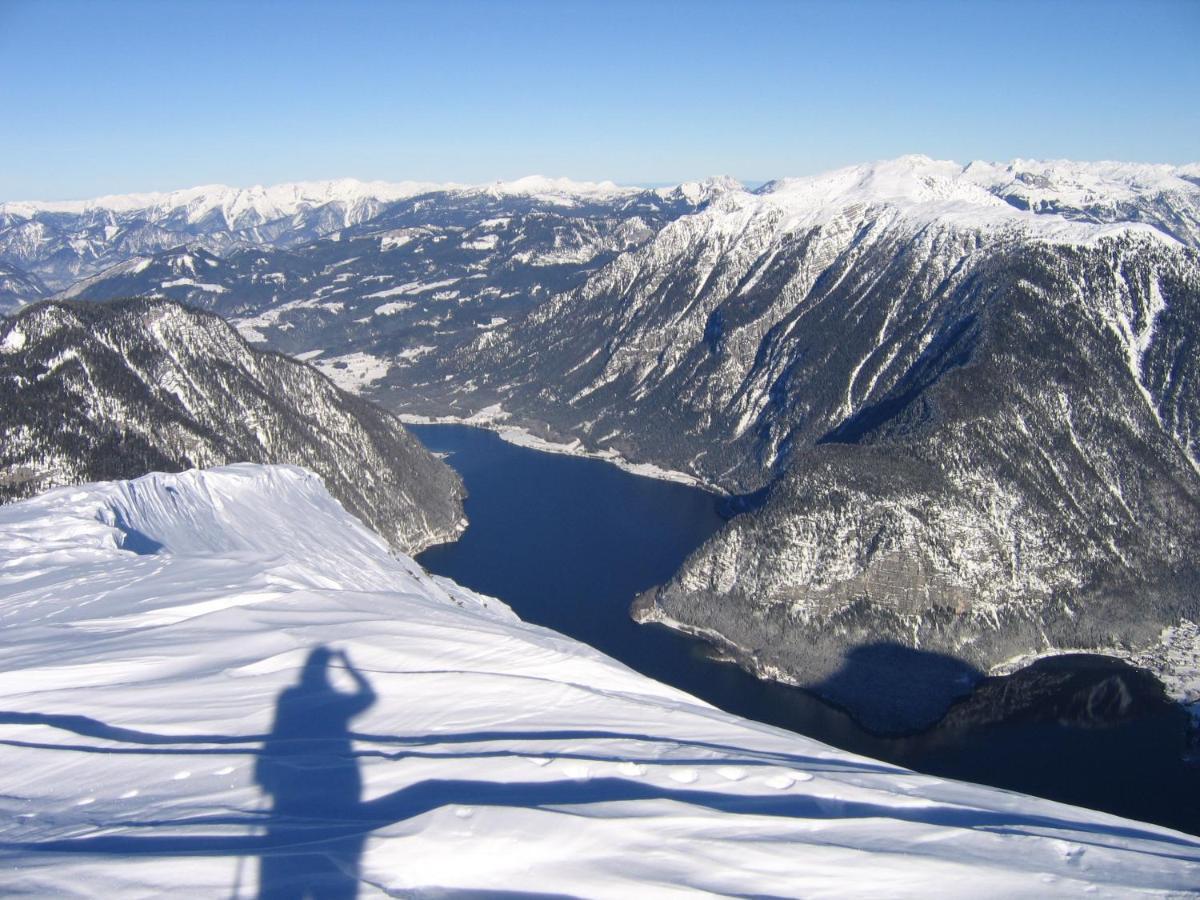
101, 391
1031, 481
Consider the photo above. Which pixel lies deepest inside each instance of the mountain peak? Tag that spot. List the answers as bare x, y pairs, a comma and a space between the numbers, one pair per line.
553, 189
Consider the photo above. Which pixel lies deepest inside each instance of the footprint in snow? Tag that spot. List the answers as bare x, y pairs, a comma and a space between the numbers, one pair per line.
685, 776
785, 780
731, 773
224, 771
180, 776
130, 794
632, 769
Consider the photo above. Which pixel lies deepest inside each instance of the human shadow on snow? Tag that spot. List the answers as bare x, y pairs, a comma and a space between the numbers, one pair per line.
307, 767
310, 841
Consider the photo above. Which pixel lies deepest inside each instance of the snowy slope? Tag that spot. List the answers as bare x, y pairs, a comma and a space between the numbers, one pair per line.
150, 626
64, 241
1167, 197
18, 288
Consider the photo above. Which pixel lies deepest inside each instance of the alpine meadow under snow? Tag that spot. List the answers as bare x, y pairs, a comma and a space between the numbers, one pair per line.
157, 627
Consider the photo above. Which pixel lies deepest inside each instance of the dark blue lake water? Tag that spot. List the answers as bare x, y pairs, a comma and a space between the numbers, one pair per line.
569, 542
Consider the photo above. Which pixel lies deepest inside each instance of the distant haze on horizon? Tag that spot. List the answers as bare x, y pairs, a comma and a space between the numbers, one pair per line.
136, 97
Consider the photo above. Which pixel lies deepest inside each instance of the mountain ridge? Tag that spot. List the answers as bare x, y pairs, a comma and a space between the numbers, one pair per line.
90, 391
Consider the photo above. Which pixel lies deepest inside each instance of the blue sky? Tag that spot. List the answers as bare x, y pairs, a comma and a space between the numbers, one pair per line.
109, 97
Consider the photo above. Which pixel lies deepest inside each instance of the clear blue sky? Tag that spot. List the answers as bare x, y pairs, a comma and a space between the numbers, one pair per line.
100, 97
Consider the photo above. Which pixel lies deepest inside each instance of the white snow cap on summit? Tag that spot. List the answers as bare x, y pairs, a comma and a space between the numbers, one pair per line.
923, 190
554, 189
706, 189
1083, 183
907, 180
280, 200
269, 203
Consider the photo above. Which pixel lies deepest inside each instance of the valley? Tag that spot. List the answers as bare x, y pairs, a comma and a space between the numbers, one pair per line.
600, 450
954, 407
571, 554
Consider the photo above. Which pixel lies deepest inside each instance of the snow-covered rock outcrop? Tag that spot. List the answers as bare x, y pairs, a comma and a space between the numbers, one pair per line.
155, 634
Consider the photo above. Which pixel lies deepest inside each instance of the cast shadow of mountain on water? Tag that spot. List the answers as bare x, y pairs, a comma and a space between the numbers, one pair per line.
890, 688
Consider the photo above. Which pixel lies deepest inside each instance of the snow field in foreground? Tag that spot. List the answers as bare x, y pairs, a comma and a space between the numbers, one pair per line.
151, 626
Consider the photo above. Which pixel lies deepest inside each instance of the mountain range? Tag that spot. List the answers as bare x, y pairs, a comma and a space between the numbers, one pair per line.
958, 405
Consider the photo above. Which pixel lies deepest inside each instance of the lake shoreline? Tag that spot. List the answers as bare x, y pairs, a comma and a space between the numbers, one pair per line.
496, 420
568, 544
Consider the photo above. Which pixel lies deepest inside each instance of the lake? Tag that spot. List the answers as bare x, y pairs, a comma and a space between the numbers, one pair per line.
569, 542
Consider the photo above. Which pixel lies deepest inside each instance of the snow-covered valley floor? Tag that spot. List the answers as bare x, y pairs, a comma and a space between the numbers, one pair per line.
217, 683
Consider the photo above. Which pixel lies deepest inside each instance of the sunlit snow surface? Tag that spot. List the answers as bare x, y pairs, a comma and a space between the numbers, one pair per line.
150, 626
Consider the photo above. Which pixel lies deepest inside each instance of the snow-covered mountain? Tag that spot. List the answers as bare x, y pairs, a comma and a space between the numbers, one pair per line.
968, 394
150, 688
62, 241
980, 425
377, 305
96, 390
